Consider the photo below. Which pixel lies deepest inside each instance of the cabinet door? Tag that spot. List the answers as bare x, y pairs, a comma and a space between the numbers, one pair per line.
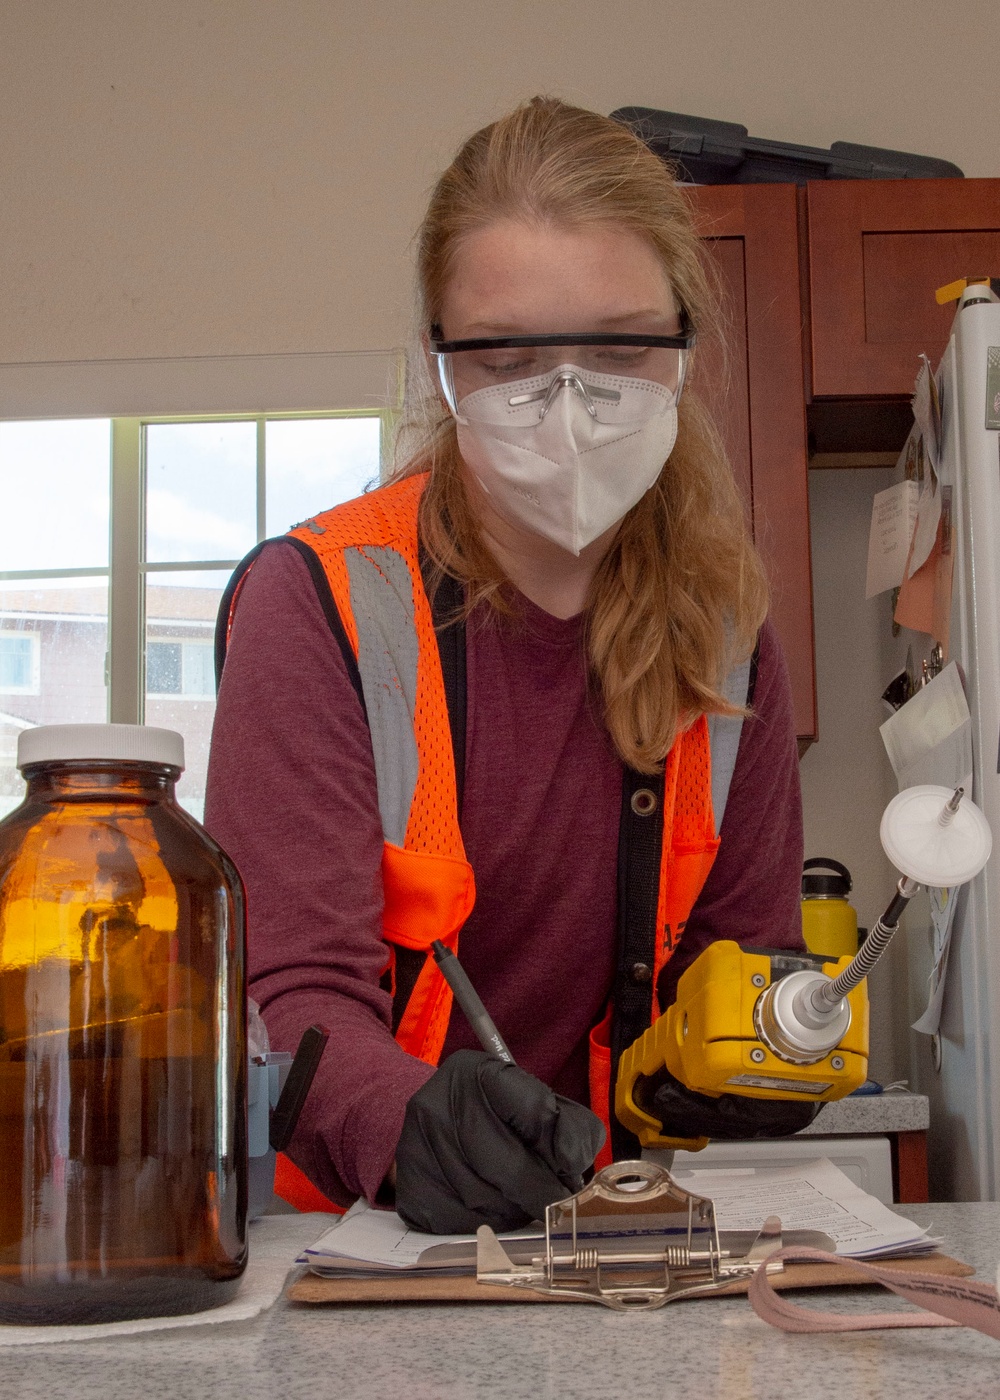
878, 250
751, 234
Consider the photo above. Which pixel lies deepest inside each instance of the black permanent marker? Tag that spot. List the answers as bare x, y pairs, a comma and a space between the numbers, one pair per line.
468, 999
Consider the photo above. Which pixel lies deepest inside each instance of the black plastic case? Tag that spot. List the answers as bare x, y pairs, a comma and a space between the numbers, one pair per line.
708, 152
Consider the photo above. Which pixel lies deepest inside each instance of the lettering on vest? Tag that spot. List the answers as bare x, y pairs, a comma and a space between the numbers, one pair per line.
672, 936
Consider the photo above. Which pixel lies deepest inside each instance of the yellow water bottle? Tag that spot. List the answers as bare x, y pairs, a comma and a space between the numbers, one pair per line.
829, 921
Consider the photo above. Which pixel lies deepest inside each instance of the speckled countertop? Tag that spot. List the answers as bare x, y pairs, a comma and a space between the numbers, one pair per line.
870, 1113
712, 1349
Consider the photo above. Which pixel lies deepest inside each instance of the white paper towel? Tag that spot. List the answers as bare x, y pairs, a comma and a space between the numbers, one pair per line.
275, 1243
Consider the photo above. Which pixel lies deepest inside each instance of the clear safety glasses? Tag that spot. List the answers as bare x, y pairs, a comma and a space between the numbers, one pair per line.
601, 367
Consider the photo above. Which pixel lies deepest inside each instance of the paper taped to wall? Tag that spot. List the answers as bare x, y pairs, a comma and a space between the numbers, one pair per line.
942, 921
894, 515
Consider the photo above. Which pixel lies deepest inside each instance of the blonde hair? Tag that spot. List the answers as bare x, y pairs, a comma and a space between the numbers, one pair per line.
680, 595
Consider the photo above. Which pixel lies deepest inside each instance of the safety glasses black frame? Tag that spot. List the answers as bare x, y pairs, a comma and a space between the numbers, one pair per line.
682, 341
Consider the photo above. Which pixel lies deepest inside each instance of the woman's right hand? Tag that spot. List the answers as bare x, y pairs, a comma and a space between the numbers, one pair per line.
486, 1143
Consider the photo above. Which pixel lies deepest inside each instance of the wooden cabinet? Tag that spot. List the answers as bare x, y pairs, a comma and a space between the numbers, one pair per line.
877, 251
757, 393
829, 293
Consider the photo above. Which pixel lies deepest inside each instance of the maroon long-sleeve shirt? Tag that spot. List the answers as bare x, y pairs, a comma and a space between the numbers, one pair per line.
292, 798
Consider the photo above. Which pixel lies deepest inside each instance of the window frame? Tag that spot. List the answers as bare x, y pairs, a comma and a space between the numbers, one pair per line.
128, 569
127, 669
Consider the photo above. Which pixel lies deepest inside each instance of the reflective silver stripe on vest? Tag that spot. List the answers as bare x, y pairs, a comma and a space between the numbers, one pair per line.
724, 739
382, 604
383, 608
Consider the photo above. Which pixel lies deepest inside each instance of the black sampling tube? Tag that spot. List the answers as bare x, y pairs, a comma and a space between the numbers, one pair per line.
297, 1086
829, 995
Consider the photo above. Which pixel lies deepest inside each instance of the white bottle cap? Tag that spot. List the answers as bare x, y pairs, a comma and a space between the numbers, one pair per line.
129, 743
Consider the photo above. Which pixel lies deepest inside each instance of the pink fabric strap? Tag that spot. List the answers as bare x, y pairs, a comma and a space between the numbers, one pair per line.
953, 1302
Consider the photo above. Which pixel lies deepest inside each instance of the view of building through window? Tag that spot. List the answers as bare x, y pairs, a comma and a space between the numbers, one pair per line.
180, 667
210, 491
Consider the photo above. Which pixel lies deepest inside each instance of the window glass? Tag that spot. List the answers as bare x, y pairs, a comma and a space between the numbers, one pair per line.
55, 484
198, 670
201, 491
18, 663
315, 463
180, 666
53, 643
163, 668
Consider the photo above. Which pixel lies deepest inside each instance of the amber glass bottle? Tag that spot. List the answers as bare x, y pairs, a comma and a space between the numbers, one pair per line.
123, 1143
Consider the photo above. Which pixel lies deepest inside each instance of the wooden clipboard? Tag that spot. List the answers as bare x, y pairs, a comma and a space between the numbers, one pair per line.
314, 1289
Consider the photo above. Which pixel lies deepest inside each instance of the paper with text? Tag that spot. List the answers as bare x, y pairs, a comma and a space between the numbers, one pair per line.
894, 515
813, 1196
380, 1239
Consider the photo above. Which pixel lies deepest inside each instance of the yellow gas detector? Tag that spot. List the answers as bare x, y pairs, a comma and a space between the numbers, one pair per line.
712, 1040
787, 1025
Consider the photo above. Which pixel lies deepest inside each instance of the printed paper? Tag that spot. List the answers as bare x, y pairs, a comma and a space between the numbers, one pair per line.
814, 1196
894, 514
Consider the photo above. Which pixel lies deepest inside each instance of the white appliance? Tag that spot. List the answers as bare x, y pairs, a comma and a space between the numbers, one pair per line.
965, 1091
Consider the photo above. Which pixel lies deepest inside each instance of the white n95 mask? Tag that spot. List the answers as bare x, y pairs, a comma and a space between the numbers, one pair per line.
569, 453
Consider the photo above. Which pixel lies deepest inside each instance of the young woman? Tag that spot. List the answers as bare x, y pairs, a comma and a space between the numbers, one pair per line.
473, 704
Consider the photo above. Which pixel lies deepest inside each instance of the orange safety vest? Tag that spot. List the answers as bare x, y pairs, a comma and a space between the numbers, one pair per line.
364, 557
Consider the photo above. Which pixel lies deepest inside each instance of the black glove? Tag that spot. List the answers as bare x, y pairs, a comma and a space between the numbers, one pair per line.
686, 1114
485, 1143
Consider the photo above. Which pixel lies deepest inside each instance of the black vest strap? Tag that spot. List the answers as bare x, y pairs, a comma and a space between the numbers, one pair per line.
322, 585
409, 964
639, 850
640, 841
225, 604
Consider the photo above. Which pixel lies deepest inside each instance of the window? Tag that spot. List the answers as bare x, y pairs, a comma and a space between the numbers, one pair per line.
180, 668
18, 663
117, 539
55, 486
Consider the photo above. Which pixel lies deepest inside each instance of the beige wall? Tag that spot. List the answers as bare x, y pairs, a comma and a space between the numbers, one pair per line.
244, 176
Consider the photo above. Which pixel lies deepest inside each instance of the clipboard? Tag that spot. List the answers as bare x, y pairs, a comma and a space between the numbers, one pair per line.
312, 1289
633, 1239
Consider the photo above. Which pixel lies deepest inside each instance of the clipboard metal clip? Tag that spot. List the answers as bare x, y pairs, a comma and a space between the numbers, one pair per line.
632, 1239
